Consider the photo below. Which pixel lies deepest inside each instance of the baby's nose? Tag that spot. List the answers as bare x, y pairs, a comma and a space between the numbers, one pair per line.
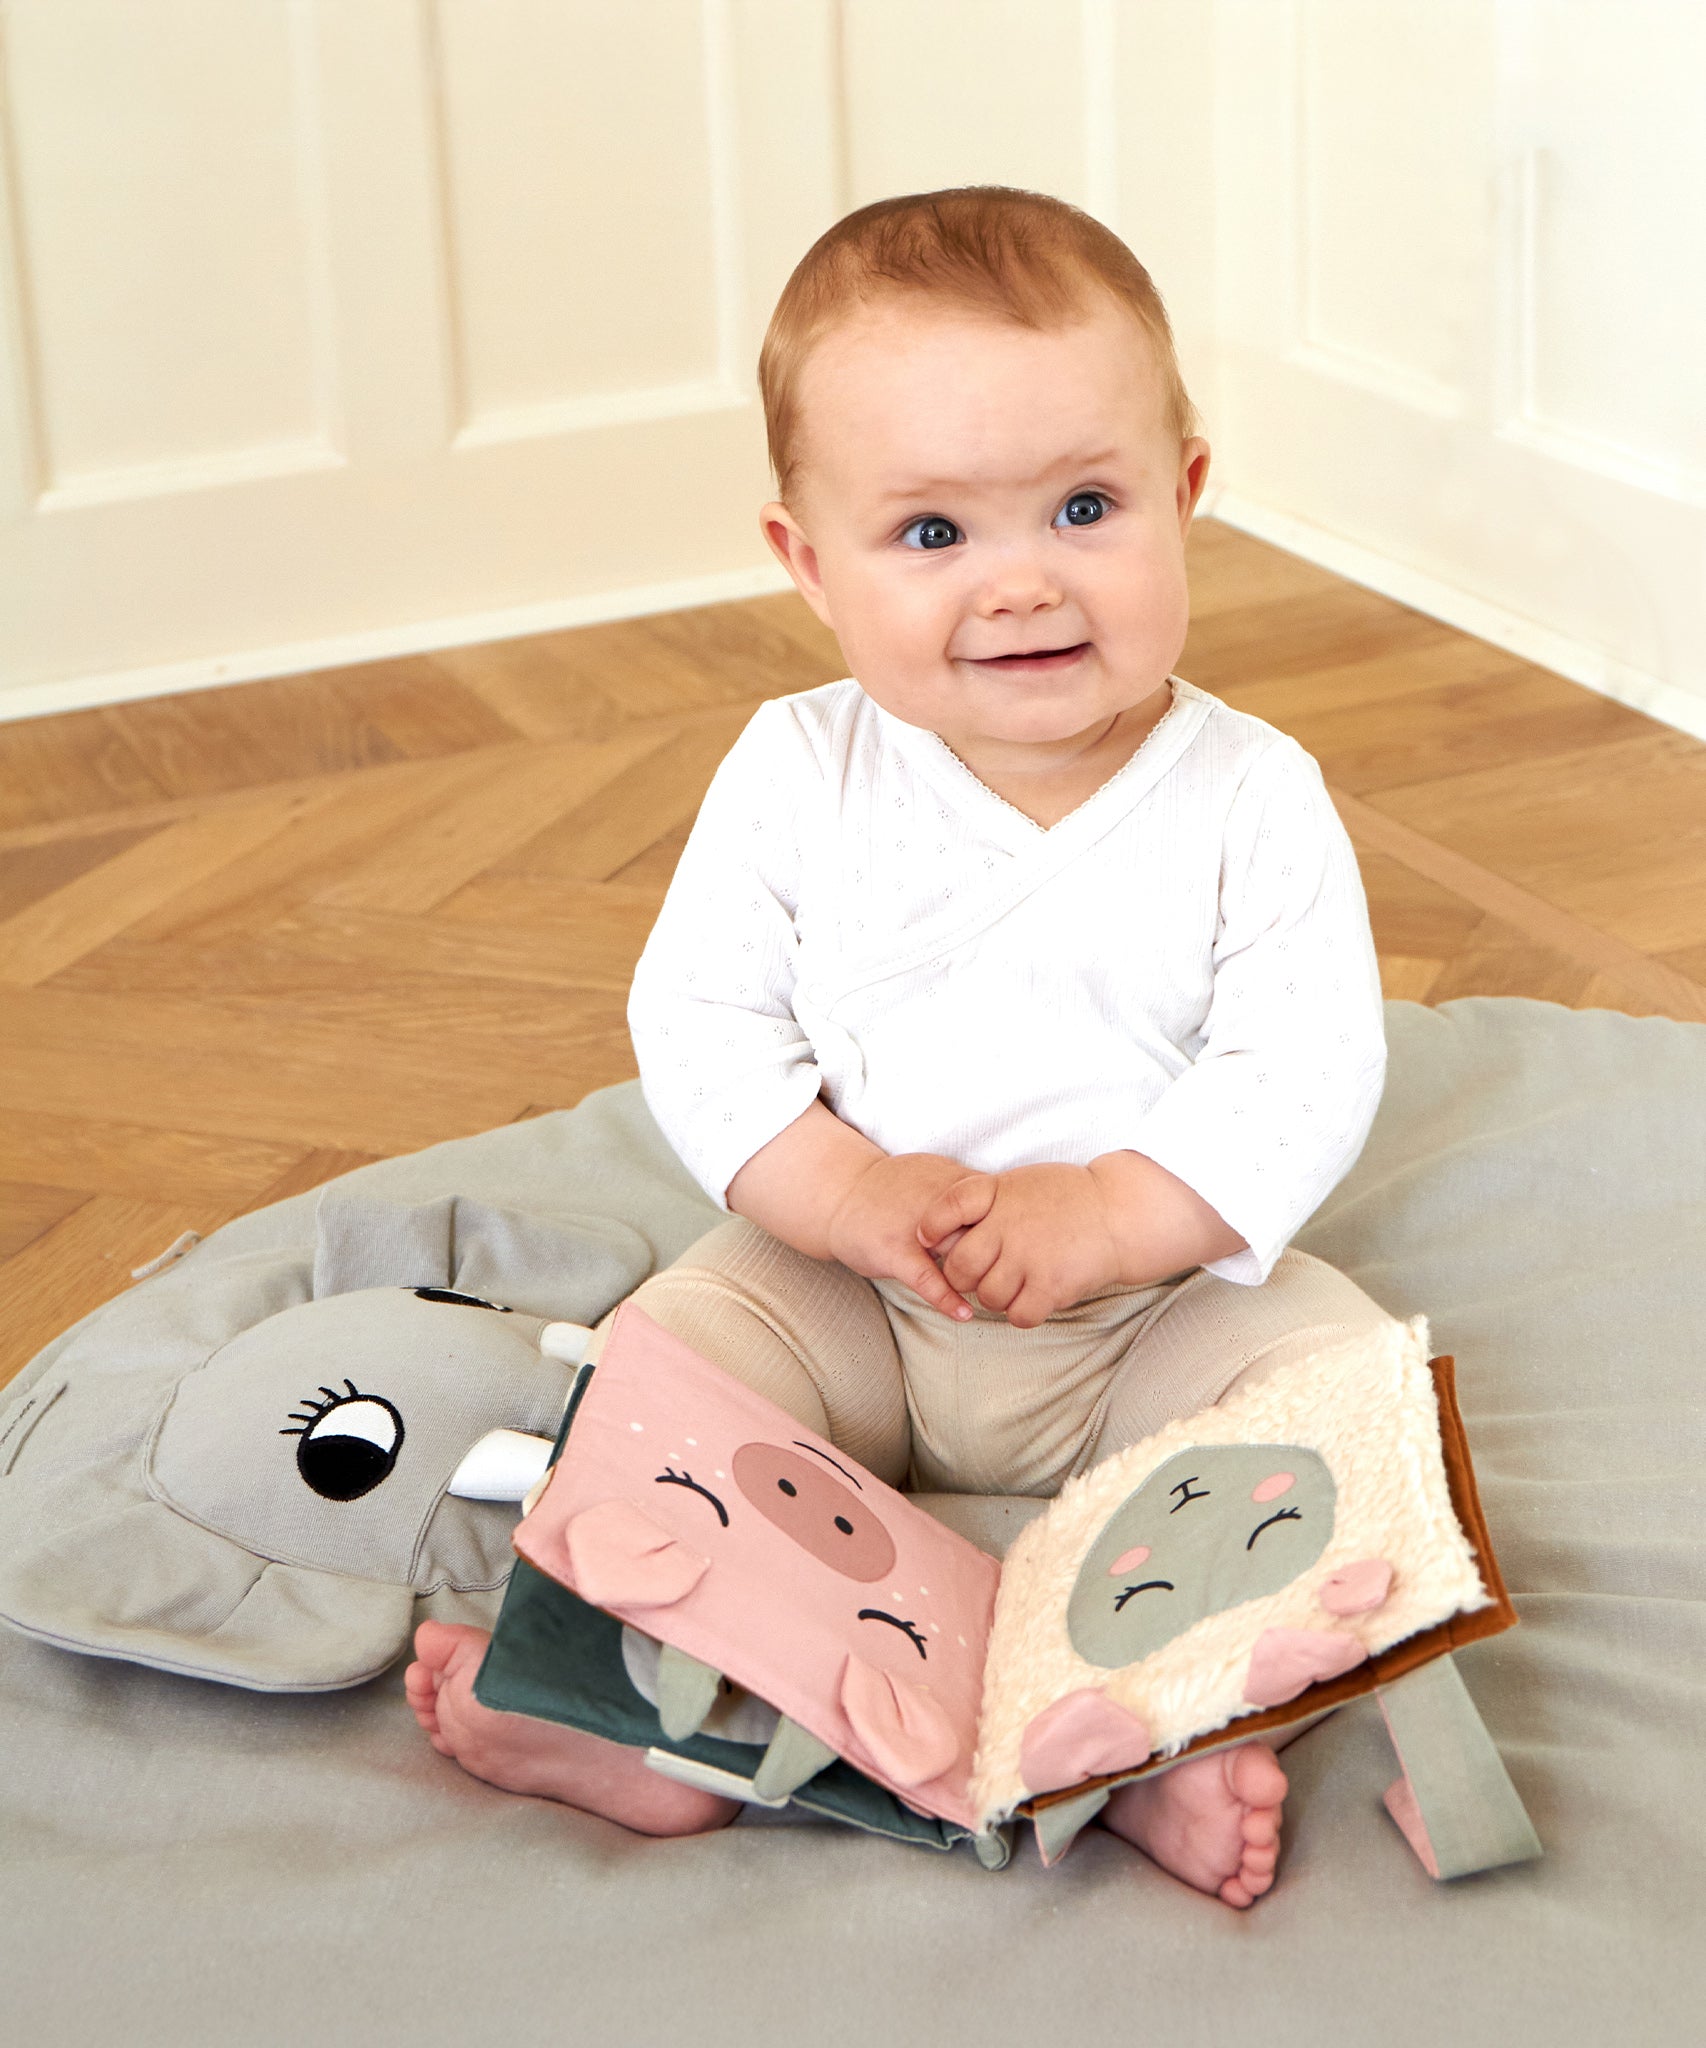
1020, 580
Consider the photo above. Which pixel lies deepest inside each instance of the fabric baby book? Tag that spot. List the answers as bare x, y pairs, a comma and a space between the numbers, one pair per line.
704, 1578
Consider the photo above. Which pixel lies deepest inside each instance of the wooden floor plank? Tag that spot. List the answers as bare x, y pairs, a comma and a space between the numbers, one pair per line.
28, 873
439, 936
310, 1171
83, 1261
1614, 834
73, 767
1512, 717
346, 818
1336, 684
81, 1151
629, 814
1553, 931
366, 1070
263, 732
50, 934
27, 1209
1297, 635
493, 814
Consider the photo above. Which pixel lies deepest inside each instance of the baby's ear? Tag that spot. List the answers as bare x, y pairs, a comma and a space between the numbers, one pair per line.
788, 541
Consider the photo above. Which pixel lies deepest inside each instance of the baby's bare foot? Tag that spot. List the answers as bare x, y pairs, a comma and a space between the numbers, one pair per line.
1213, 1820
541, 1758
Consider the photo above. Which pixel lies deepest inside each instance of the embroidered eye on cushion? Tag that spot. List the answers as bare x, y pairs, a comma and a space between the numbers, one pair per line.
348, 1442
327, 1434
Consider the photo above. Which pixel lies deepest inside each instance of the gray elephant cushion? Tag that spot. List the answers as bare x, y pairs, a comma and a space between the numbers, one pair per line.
243, 1471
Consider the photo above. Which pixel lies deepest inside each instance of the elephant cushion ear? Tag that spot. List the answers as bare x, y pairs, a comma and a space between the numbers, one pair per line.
362, 1241
1084, 1735
619, 1558
903, 1730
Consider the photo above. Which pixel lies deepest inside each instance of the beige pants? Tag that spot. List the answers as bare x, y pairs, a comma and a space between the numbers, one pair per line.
981, 1407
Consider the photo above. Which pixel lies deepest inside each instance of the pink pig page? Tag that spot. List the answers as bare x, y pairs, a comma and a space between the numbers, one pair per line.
704, 1515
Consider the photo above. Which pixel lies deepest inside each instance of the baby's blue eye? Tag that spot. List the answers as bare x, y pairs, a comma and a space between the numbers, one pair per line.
1083, 508
933, 532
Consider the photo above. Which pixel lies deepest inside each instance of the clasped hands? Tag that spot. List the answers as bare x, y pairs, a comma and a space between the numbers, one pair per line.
1028, 1242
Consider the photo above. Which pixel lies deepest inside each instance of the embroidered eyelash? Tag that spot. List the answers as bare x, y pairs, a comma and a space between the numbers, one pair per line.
1284, 1515
907, 1628
670, 1477
318, 1408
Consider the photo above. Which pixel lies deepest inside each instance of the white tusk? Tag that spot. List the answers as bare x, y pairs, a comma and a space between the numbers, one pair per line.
565, 1342
504, 1465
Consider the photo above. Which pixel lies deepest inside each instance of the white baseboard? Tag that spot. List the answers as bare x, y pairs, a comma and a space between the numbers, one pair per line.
1684, 709
79, 693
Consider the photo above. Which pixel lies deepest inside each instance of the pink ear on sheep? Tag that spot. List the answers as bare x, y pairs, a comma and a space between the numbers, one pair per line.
1356, 1588
1084, 1735
1287, 1660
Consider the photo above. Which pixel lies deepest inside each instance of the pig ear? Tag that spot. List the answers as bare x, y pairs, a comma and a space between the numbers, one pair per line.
906, 1734
1084, 1735
620, 1557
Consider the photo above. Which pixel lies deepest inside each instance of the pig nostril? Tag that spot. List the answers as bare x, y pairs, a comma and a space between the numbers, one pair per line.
788, 1487
845, 1526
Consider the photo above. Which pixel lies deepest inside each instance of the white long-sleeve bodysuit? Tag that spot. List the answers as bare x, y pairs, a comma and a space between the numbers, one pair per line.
1182, 967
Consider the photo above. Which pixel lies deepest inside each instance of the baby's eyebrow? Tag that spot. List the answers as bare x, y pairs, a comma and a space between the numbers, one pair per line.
1073, 464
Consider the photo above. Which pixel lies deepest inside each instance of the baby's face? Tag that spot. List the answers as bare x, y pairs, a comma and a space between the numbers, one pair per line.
992, 520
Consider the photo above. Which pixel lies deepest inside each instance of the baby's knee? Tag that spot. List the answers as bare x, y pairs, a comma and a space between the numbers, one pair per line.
803, 1332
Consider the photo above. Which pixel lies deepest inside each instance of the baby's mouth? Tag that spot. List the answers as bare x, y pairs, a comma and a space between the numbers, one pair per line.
1034, 661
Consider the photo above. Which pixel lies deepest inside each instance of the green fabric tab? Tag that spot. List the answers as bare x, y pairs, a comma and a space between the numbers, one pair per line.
1463, 1793
794, 1757
557, 1659
687, 1691
1059, 1826
994, 1847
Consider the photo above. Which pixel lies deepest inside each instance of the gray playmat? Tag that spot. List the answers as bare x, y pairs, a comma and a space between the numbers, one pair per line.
184, 1862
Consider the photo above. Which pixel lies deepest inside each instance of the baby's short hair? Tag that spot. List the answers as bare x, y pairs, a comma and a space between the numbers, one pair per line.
1014, 255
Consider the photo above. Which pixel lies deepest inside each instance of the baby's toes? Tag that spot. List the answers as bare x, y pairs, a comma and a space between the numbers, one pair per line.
420, 1689
1254, 1776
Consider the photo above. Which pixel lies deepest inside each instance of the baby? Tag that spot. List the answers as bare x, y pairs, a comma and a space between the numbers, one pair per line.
1016, 998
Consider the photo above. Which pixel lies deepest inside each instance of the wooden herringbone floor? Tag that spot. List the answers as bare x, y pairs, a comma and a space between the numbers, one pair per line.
252, 937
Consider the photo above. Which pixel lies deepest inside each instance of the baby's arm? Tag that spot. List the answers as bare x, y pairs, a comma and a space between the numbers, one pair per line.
827, 1191
1036, 1239
1242, 1147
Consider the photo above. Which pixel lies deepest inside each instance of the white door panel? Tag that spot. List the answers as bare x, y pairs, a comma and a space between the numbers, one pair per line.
335, 329
331, 321
1461, 261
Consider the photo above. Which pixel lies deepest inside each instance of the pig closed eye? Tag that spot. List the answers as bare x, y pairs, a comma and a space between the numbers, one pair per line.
1148, 1586
670, 1477
1284, 1515
907, 1628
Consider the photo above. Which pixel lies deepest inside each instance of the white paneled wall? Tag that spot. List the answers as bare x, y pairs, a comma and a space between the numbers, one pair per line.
332, 328
1461, 310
